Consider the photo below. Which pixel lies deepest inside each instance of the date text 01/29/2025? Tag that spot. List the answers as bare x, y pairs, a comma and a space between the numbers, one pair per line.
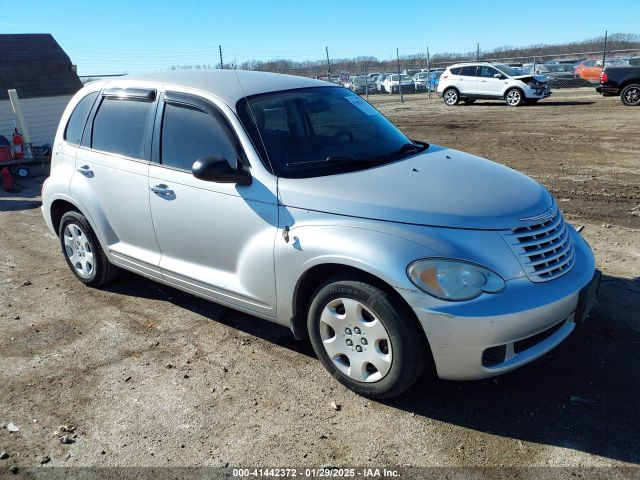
316, 472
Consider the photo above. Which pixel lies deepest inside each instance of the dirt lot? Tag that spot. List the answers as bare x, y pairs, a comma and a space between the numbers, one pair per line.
149, 376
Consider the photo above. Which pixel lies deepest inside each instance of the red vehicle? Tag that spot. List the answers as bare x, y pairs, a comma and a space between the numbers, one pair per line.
589, 70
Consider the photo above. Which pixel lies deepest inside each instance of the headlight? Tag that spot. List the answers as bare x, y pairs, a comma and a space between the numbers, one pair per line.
453, 279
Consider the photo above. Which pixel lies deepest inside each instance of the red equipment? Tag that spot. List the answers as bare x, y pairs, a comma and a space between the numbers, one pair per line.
7, 180
18, 141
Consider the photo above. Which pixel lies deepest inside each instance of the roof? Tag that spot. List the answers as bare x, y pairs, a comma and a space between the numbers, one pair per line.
36, 66
463, 64
229, 85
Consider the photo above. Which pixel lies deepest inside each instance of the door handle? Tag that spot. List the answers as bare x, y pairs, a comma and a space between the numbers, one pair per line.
162, 190
86, 171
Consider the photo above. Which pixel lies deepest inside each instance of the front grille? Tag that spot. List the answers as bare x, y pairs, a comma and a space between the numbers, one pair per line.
527, 343
544, 248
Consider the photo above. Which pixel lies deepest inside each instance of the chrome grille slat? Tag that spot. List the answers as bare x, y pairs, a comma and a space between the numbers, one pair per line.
557, 241
538, 229
544, 248
564, 250
538, 241
555, 266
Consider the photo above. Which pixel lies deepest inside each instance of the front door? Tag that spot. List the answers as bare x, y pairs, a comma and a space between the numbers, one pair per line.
488, 83
216, 239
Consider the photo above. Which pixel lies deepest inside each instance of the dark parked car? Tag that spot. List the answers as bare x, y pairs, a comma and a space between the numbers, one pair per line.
623, 81
559, 75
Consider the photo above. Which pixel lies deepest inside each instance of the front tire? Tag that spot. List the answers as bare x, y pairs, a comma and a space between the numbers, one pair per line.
451, 96
366, 339
514, 97
83, 252
630, 95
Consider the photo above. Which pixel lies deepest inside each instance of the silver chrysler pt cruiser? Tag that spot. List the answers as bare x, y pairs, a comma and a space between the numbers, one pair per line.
296, 201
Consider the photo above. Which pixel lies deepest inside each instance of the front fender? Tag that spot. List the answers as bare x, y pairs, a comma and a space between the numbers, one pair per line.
382, 249
379, 254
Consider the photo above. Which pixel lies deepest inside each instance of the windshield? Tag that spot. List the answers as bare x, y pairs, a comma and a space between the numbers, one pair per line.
317, 131
508, 70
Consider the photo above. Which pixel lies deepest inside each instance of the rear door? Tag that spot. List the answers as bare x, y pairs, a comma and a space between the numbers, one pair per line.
111, 178
466, 80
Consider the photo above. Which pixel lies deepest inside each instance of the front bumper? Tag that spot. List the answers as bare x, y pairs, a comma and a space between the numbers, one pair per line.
537, 93
494, 334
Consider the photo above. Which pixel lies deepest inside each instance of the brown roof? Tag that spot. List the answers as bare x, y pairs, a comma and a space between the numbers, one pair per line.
36, 66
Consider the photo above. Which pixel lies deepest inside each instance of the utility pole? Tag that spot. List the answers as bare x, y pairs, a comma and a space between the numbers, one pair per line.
428, 73
604, 50
478, 52
399, 77
326, 49
220, 48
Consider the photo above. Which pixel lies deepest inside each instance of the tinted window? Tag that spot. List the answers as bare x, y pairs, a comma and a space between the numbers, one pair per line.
455, 71
120, 127
75, 127
469, 71
189, 134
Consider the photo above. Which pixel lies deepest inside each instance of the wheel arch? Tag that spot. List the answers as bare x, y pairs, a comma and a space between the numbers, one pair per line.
58, 208
514, 87
61, 205
630, 81
314, 276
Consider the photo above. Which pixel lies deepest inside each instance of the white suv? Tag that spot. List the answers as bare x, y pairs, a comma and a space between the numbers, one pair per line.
471, 81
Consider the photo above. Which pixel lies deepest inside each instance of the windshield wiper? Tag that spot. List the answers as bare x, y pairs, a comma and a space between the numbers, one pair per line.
337, 160
407, 147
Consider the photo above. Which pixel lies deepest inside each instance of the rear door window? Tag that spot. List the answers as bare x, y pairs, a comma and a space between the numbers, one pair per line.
78, 119
468, 71
120, 127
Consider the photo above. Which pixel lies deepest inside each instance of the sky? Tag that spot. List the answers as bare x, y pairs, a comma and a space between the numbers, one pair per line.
117, 36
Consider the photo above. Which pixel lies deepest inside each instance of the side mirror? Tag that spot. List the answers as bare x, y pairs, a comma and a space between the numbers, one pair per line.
498, 75
213, 168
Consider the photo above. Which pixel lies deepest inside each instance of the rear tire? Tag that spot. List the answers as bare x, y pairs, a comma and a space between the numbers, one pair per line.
514, 97
630, 95
365, 339
83, 251
451, 97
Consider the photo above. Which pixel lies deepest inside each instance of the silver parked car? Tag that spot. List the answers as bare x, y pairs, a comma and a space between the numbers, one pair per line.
296, 201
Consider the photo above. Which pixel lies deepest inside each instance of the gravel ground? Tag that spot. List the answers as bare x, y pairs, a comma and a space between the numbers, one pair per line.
139, 374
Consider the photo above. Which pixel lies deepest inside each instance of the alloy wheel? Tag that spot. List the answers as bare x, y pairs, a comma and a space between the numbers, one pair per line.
514, 97
78, 250
632, 95
450, 97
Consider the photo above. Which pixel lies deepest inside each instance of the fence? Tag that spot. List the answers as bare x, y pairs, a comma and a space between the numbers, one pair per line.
566, 70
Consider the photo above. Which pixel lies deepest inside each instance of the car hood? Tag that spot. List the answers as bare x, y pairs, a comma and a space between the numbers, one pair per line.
438, 187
